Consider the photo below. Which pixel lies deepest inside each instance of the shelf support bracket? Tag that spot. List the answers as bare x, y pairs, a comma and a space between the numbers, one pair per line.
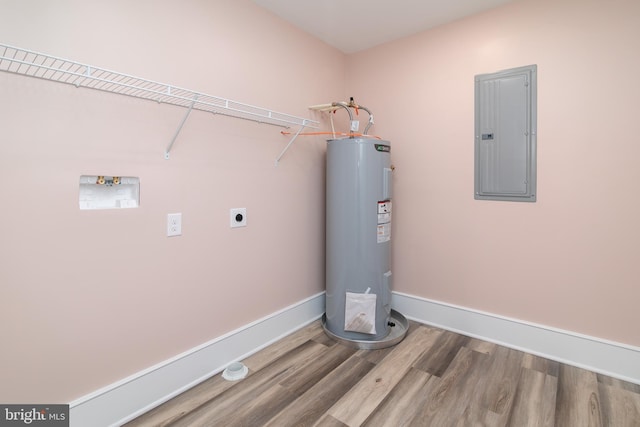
304, 125
186, 116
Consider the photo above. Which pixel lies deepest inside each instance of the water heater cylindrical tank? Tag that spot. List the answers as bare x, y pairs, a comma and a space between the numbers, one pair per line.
358, 233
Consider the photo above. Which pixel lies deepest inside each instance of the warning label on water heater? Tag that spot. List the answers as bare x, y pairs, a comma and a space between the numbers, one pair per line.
384, 221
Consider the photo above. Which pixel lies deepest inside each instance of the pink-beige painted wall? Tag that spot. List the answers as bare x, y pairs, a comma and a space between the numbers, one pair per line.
572, 259
91, 297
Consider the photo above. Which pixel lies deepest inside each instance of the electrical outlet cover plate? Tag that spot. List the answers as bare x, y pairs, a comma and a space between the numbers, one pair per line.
238, 217
174, 224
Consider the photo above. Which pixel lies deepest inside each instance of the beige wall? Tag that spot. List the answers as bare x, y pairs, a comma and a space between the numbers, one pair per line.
571, 260
90, 297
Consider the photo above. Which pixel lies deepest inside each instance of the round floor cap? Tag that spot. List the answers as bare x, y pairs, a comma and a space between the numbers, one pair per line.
235, 371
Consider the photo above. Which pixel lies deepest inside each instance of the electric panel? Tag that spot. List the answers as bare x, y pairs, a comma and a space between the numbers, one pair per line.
505, 135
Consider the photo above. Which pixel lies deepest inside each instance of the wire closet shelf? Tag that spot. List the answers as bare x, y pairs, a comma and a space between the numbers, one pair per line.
35, 64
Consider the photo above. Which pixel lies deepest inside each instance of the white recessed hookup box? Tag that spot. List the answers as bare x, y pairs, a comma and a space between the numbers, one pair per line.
109, 192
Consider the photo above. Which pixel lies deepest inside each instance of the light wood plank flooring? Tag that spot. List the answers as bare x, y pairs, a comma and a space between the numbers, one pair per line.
432, 378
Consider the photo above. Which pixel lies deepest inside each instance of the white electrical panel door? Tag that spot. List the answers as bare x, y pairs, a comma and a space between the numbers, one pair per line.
505, 135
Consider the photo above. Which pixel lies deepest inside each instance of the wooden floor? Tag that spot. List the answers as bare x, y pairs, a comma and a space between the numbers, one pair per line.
432, 378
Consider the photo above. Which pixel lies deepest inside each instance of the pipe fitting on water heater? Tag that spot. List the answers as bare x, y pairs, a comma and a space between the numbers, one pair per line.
355, 124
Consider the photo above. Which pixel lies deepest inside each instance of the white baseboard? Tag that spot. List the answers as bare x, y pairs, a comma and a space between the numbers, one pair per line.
124, 400
606, 357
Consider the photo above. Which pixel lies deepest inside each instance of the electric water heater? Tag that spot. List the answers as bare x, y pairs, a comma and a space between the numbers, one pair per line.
358, 239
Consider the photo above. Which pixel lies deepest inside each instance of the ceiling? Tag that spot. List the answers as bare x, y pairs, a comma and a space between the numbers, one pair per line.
355, 25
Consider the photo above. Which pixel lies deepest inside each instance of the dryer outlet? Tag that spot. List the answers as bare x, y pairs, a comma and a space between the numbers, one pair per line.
238, 217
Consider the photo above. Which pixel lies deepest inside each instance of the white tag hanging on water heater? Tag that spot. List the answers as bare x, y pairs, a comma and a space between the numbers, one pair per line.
360, 313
